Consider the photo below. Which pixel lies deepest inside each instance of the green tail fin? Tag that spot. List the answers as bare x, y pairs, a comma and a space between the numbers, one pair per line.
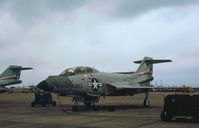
14, 70
146, 65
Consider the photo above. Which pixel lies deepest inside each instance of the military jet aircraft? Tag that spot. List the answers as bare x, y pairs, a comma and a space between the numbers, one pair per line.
11, 76
87, 84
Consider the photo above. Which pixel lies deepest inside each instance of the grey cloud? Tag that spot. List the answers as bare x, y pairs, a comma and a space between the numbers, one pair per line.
28, 11
134, 7
31, 10
92, 35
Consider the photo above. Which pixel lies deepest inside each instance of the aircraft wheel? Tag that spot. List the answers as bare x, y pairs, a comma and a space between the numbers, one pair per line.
43, 104
146, 103
33, 104
75, 108
111, 109
87, 104
54, 103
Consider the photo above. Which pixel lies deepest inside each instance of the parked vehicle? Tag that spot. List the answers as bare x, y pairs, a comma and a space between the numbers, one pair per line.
182, 105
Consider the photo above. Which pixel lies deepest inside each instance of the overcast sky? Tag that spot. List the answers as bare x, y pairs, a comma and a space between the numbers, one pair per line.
52, 35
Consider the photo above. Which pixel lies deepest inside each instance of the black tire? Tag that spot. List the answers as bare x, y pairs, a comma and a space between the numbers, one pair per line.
111, 109
96, 108
168, 118
75, 108
87, 104
33, 104
54, 103
43, 105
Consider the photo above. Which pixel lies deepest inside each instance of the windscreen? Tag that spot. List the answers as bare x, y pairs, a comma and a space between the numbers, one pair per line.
78, 70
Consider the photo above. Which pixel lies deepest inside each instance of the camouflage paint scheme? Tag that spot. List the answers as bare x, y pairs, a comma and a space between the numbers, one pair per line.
87, 84
11, 76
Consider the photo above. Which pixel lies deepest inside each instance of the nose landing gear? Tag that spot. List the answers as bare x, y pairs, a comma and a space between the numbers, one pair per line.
43, 98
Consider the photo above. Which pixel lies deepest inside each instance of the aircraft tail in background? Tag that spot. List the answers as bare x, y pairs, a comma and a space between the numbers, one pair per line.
12, 75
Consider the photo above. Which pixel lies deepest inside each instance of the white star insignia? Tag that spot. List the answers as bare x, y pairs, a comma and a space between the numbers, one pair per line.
95, 84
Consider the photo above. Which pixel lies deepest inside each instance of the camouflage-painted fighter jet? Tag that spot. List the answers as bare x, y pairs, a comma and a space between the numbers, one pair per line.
87, 84
11, 76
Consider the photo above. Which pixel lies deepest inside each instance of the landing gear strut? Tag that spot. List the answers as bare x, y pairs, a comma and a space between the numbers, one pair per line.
89, 102
146, 100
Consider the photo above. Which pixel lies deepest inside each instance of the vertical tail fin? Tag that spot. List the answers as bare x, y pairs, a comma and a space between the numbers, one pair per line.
146, 65
14, 71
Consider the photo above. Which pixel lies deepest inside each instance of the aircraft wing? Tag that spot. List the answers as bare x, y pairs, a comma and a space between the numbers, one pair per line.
124, 88
120, 85
3, 89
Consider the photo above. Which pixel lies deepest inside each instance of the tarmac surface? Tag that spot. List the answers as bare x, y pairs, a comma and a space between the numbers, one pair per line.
111, 112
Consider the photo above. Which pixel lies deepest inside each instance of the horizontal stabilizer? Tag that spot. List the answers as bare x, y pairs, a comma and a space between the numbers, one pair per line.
26, 68
152, 61
20, 68
146, 65
13, 71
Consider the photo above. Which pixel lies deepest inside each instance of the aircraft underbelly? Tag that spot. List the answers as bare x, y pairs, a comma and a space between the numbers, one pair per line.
9, 82
126, 92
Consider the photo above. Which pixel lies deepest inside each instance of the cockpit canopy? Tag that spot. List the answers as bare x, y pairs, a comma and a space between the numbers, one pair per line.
78, 70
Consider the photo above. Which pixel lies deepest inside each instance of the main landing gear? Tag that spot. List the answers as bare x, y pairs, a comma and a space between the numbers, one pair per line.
89, 102
75, 107
146, 100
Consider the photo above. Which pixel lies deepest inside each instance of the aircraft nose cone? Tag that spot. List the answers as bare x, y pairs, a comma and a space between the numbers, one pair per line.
43, 85
57, 84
